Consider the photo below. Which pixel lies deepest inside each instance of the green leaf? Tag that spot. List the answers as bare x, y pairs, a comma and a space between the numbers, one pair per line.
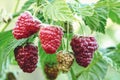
45, 58
7, 45
95, 15
72, 74
114, 54
86, 11
95, 71
98, 20
82, 10
58, 10
114, 7
25, 7
27, 4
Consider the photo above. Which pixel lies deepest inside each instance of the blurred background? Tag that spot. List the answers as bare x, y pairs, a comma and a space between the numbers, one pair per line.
111, 38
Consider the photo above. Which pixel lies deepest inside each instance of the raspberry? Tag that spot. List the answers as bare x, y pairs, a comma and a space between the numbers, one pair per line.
65, 61
50, 37
83, 48
26, 57
26, 26
51, 71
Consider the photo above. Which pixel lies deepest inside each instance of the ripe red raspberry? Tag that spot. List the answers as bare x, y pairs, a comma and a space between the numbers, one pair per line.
51, 71
26, 57
26, 26
50, 37
65, 61
83, 48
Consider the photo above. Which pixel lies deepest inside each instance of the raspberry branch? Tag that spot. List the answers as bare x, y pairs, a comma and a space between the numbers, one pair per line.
17, 4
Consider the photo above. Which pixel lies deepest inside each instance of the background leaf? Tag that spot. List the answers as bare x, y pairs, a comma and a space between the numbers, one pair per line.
95, 17
58, 10
27, 5
7, 45
114, 7
98, 20
82, 10
95, 71
113, 54
45, 58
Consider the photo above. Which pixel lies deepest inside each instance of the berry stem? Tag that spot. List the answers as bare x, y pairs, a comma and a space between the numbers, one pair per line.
63, 46
77, 76
73, 74
37, 8
5, 26
82, 29
16, 6
52, 22
38, 1
67, 35
63, 40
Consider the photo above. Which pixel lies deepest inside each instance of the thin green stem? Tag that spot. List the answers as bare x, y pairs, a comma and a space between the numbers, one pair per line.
73, 74
5, 26
35, 12
52, 22
63, 44
67, 35
82, 29
38, 1
78, 75
38, 8
16, 6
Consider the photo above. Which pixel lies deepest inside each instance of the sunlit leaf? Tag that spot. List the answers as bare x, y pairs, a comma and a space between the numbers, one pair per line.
114, 7
58, 10
98, 20
114, 54
27, 4
7, 45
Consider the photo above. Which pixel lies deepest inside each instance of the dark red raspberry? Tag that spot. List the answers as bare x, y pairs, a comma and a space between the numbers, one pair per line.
27, 57
83, 48
26, 26
51, 71
50, 37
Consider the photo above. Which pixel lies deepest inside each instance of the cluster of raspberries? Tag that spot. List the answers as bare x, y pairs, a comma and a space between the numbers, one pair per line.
50, 37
